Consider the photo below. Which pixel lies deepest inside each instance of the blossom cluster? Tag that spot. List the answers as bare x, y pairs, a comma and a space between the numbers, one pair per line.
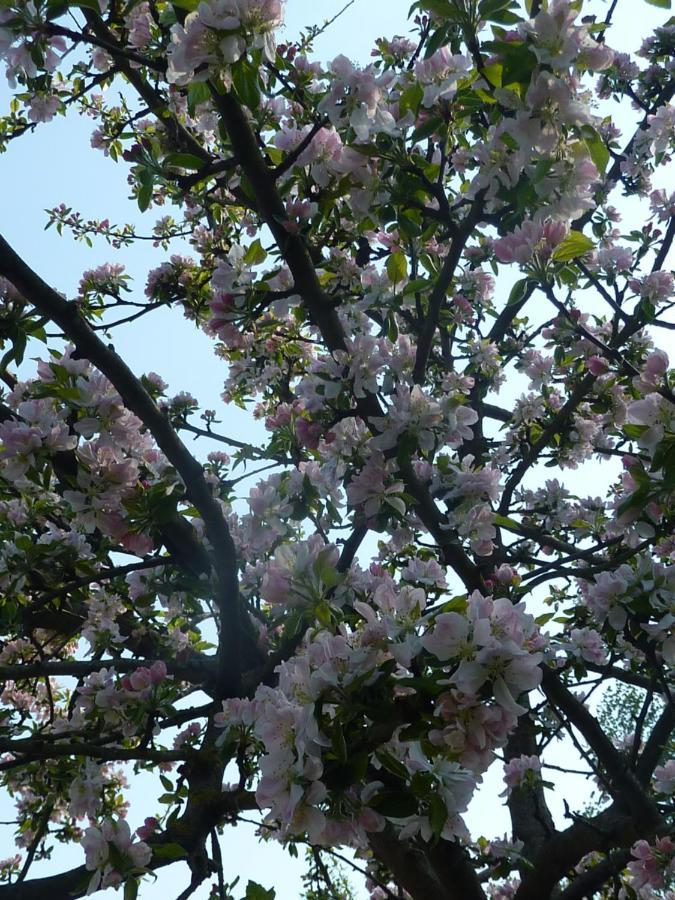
112, 854
218, 33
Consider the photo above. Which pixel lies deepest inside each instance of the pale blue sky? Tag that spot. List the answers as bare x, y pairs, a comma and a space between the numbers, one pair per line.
56, 165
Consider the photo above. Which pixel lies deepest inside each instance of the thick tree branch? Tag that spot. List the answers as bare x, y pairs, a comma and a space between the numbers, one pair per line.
622, 782
611, 829
585, 885
530, 816
442, 872
655, 744
31, 749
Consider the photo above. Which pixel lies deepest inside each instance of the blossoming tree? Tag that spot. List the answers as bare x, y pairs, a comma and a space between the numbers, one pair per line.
414, 275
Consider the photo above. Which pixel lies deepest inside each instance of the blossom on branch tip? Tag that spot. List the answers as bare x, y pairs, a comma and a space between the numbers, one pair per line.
521, 772
112, 854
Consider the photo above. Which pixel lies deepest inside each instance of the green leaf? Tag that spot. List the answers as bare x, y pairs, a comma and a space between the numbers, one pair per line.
438, 814
198, 92
56, 8
184, 161
395, 804
391, 764
409, 225
427, 128
189, 5
505, 522
596, 147
575, 244
484, 96
496, 10
339, 745
255, 891
255, 255
493, 73
323, 614
397, 267
418, 284
541, 170
634, 431
325, 569
439, 38
518, 291
457, 604
441, 8
519, 62
245, 80
662, 4
392, 328
144, 196
169, 851
410, 99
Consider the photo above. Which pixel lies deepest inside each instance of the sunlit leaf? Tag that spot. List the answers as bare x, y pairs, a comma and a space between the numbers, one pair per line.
575, 245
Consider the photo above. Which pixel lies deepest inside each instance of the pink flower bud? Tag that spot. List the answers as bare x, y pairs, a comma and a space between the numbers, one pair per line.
138, 544
308, 433
505, 574
597, 365
656, 364
140, 679
147, 828
158, 672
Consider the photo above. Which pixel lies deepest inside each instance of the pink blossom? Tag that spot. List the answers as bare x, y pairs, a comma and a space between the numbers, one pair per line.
651, 863
96, 843
587, 644
597, 365
368, 490
521, 771
140, 23
664, 777
140, 680
449, 636
275, 584
439, 74
148, 828
506, 574
653, 373
158, 671
138, 544
530, 240
43, 108
308, 433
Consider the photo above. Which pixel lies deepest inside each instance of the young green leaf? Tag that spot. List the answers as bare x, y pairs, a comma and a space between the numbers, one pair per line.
575, 245
397, 267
